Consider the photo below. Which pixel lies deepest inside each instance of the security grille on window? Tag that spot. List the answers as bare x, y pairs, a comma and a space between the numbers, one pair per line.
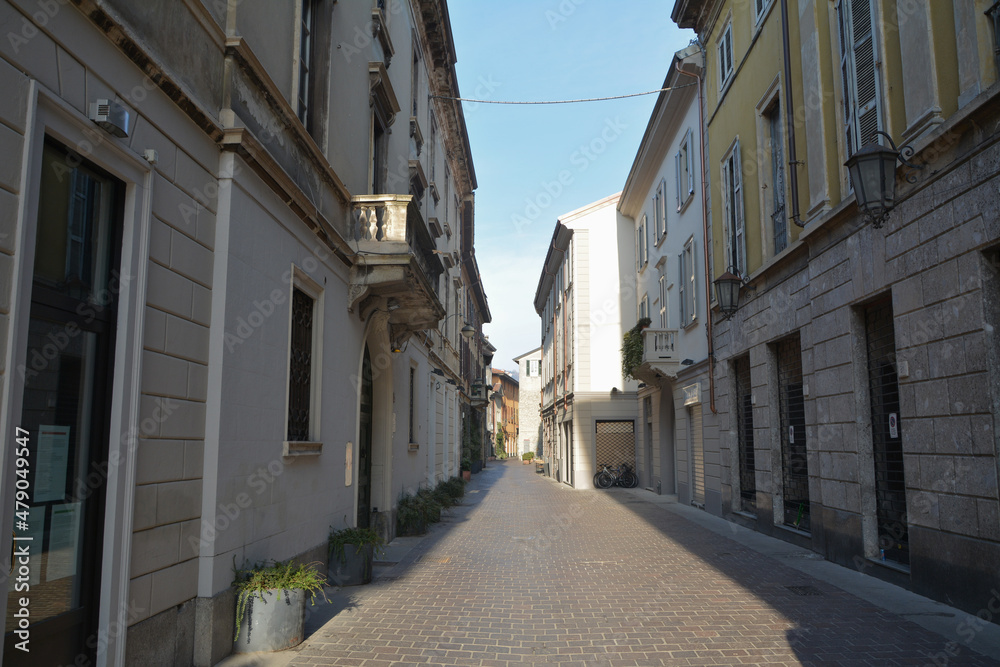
732, 204
887, 441
300, 366
726, 56
859, 65
614, 442
792, 422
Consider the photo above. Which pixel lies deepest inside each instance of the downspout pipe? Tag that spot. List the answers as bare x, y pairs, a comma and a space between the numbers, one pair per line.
704, 222
793, 162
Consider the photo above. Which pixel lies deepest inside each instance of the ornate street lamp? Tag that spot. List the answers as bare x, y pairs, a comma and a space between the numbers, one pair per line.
468, 331
727, 291
873, 175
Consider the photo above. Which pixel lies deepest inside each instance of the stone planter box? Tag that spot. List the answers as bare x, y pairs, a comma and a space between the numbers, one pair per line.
273, 621
356, 567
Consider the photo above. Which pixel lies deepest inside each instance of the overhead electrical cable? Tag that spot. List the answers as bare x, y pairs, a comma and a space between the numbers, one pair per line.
589, 99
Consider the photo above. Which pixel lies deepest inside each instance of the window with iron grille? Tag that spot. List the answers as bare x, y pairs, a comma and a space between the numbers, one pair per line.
744, 435
791, 405
300, 366
887, 441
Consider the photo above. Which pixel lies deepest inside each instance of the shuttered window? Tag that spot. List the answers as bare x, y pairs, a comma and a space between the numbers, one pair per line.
732, 203
859, 66
726, 56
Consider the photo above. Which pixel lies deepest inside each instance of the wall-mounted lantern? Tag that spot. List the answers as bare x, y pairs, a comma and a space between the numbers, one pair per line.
873, 175
727, 291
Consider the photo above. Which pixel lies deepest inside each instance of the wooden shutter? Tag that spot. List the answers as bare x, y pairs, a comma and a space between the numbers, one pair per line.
859, 70
737, 204
681, 287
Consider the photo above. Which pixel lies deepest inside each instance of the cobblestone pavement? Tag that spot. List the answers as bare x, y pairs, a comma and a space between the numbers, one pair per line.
610, 580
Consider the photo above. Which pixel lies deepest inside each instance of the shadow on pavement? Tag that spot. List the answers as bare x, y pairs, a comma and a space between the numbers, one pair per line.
827, 619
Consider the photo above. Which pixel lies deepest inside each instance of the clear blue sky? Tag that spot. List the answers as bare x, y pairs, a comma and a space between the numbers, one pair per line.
550, 50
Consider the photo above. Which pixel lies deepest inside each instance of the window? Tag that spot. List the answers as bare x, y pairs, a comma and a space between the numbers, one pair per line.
660, 211
732, 206
664, 317
644, 307
859, 72
792, 432
686, 281
759, 9
744, 435
306, 23
779, 220
725, 56
684, 168
302, 362
414, 81
641, 251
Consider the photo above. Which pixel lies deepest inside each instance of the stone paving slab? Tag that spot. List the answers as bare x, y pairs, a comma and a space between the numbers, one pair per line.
528, 571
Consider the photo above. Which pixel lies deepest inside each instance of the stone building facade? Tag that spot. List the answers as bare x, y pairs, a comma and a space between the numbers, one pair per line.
856, 381
529, 367
235, 250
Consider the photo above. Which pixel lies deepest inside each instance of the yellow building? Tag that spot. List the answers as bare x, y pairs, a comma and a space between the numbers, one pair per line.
856, 376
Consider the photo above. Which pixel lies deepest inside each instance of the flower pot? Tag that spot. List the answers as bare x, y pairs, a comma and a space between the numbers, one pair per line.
355, 568
273, 621
467, 475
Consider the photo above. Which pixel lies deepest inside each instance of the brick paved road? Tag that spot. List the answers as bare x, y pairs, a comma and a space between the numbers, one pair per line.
611, 581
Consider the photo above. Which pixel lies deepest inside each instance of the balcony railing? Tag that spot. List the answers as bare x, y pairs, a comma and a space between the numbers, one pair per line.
396, 261
659, 354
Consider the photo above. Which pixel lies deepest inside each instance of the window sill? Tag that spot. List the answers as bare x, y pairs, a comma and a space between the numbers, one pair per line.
291, 448
413, 447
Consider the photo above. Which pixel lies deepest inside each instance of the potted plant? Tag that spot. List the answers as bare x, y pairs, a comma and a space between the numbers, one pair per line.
466, 469
410, 520
271, 604
527, 457
352, 553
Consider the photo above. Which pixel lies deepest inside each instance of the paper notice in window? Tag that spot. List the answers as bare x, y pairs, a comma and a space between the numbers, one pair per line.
51, 459
64, 540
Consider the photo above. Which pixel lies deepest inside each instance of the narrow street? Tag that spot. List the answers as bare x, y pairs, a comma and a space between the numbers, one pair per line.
613, 580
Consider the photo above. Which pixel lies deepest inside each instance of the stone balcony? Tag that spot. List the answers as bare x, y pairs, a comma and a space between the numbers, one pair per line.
394, 264
659, 355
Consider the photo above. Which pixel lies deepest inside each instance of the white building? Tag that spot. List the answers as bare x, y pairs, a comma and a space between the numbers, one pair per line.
529, 367
663, 199
231, 312
586, 305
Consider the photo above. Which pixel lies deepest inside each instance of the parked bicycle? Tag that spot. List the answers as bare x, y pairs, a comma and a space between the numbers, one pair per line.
623, 476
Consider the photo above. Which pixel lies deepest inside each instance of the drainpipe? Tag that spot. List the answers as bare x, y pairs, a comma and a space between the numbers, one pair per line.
704, 222
793, 162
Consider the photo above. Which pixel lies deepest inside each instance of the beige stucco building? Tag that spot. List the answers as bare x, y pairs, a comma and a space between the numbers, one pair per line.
857, 379
236, 261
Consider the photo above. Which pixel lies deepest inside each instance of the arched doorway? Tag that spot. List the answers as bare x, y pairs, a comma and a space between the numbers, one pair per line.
365, 443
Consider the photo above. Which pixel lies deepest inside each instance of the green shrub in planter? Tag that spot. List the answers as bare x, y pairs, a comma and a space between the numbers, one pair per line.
527, 456
268, 584
410, 518
429, 507
352, 552
455, 488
